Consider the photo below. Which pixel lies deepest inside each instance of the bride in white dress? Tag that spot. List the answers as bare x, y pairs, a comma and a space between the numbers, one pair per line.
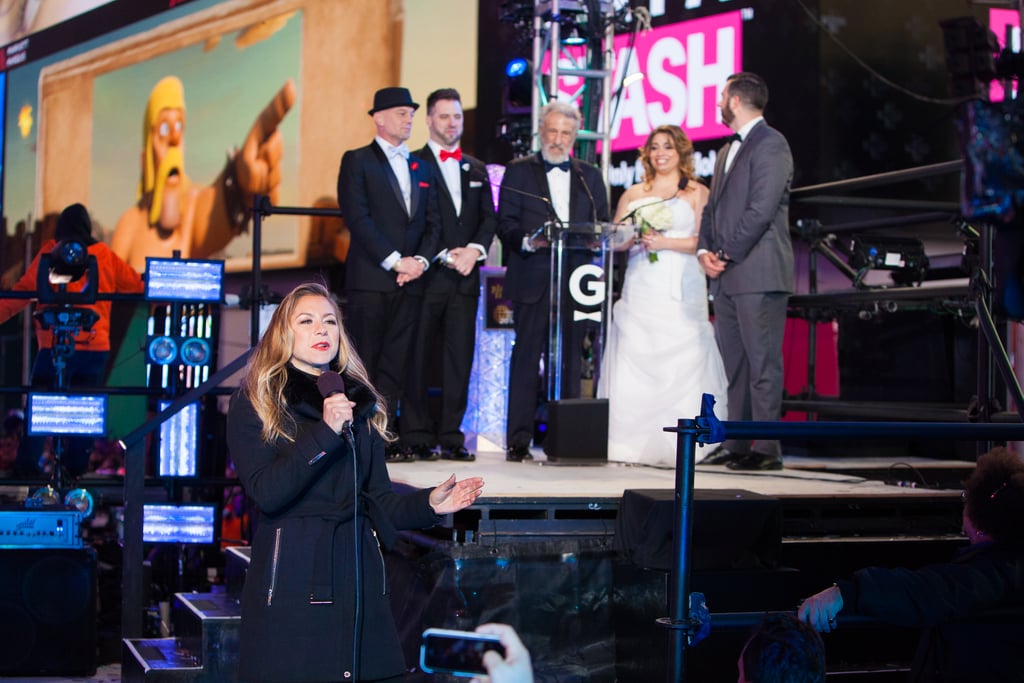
661, 355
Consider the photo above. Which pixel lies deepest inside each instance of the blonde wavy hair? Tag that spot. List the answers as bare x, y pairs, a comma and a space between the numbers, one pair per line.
680, 142
266, 373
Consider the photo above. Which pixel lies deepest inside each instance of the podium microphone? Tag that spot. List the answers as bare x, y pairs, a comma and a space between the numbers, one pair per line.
590, 195
330, 383
539, 197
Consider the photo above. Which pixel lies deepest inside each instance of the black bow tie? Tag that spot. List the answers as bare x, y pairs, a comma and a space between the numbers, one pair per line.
735, 137
563, 166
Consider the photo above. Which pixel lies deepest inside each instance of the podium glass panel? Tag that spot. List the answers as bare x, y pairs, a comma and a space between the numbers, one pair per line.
580, 303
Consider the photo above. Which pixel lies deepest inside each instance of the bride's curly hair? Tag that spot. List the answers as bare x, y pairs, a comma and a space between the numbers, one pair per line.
680, 142
266, 373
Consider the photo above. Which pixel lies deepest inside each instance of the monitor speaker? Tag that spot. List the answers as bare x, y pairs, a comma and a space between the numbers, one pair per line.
47, 612
577, 431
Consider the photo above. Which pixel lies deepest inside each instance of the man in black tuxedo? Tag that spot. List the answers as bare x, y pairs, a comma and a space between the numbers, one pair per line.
451, 287
745, 249
389, 201
549, 186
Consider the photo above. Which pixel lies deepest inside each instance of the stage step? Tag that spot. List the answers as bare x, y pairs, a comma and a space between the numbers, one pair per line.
204, 647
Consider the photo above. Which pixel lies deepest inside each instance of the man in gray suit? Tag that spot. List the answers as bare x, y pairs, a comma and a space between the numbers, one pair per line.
744, 248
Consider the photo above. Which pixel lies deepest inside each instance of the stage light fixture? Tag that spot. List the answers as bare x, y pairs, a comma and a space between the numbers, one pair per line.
905, 255
518, 86
69, 261
516, 67
81, 500
574, 38
162, 350
195, 352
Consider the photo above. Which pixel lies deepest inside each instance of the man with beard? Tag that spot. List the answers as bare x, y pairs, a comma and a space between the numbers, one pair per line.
452, 287
174, 215
549, 186
389, 201
744, 248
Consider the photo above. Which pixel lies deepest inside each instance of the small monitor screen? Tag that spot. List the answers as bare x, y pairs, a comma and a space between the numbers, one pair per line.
177, 523
67, 414
184, 280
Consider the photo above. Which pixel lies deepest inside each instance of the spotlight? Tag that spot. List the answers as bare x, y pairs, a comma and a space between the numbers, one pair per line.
44, 496
162, 351
195, 352
574, 38
517, 67
68, 262
518, 86
81, 500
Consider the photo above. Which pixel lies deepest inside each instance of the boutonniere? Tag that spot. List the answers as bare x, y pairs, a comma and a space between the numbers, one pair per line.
465, 167
413, 165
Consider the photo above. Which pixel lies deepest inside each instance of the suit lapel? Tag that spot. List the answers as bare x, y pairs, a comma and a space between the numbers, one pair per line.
541, 177
392, 179
428, 155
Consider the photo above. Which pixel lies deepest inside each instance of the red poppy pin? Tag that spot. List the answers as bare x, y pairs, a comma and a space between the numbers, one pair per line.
414, 165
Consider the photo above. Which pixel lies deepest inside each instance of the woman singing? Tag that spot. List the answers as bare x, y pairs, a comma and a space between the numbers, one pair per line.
315, 603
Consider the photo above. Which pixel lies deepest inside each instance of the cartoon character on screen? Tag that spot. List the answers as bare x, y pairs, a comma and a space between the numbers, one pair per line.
172, 214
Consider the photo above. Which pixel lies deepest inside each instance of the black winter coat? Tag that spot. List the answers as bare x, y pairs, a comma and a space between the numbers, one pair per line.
970, 610
299, 597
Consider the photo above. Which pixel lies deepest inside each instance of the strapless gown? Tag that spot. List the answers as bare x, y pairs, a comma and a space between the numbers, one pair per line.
661, 354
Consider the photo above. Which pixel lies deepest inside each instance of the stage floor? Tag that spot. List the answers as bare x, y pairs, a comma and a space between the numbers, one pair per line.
802, 477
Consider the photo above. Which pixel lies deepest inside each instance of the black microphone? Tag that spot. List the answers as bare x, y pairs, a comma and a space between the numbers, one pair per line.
331, 383
590, 195
547, 203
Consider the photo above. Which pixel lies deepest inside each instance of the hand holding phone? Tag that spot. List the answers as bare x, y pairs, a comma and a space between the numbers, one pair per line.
457, 653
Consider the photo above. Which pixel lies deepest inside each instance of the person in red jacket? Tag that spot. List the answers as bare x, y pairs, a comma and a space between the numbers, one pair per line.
86, 365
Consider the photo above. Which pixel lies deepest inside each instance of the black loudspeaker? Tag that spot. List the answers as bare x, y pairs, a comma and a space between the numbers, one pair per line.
577, 432
48, 612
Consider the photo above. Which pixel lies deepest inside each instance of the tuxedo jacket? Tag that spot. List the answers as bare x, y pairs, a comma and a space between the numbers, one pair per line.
374, 211
521, 212
747, 215
475, 224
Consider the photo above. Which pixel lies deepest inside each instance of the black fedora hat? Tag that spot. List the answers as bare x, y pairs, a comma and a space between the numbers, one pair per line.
387, 98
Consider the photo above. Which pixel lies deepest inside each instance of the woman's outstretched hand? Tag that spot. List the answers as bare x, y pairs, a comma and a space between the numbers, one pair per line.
452, 495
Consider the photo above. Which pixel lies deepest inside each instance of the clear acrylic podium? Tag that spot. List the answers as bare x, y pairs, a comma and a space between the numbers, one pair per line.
580, 297
580, 291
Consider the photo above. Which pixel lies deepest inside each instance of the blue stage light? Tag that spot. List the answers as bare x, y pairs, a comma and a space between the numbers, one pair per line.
517, 67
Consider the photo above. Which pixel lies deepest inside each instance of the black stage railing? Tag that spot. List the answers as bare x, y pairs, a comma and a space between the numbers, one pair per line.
707, 429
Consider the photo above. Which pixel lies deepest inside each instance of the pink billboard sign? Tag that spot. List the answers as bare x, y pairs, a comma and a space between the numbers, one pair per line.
684, 65
998, 21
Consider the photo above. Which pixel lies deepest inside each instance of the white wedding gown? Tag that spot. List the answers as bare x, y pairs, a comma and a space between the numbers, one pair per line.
661, 355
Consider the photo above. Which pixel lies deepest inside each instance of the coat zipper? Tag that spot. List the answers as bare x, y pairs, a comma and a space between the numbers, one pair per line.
273, 566
383, 567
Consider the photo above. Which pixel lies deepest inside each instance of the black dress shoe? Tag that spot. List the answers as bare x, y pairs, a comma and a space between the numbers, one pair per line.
719, 456
423, 452
755, 462
395, 452
518, 454
457, 453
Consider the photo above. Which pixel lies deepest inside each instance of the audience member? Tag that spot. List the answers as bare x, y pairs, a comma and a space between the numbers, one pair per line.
782, 649
971, 609
515, 666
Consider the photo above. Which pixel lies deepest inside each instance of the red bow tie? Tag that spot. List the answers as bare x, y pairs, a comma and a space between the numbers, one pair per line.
457, 155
